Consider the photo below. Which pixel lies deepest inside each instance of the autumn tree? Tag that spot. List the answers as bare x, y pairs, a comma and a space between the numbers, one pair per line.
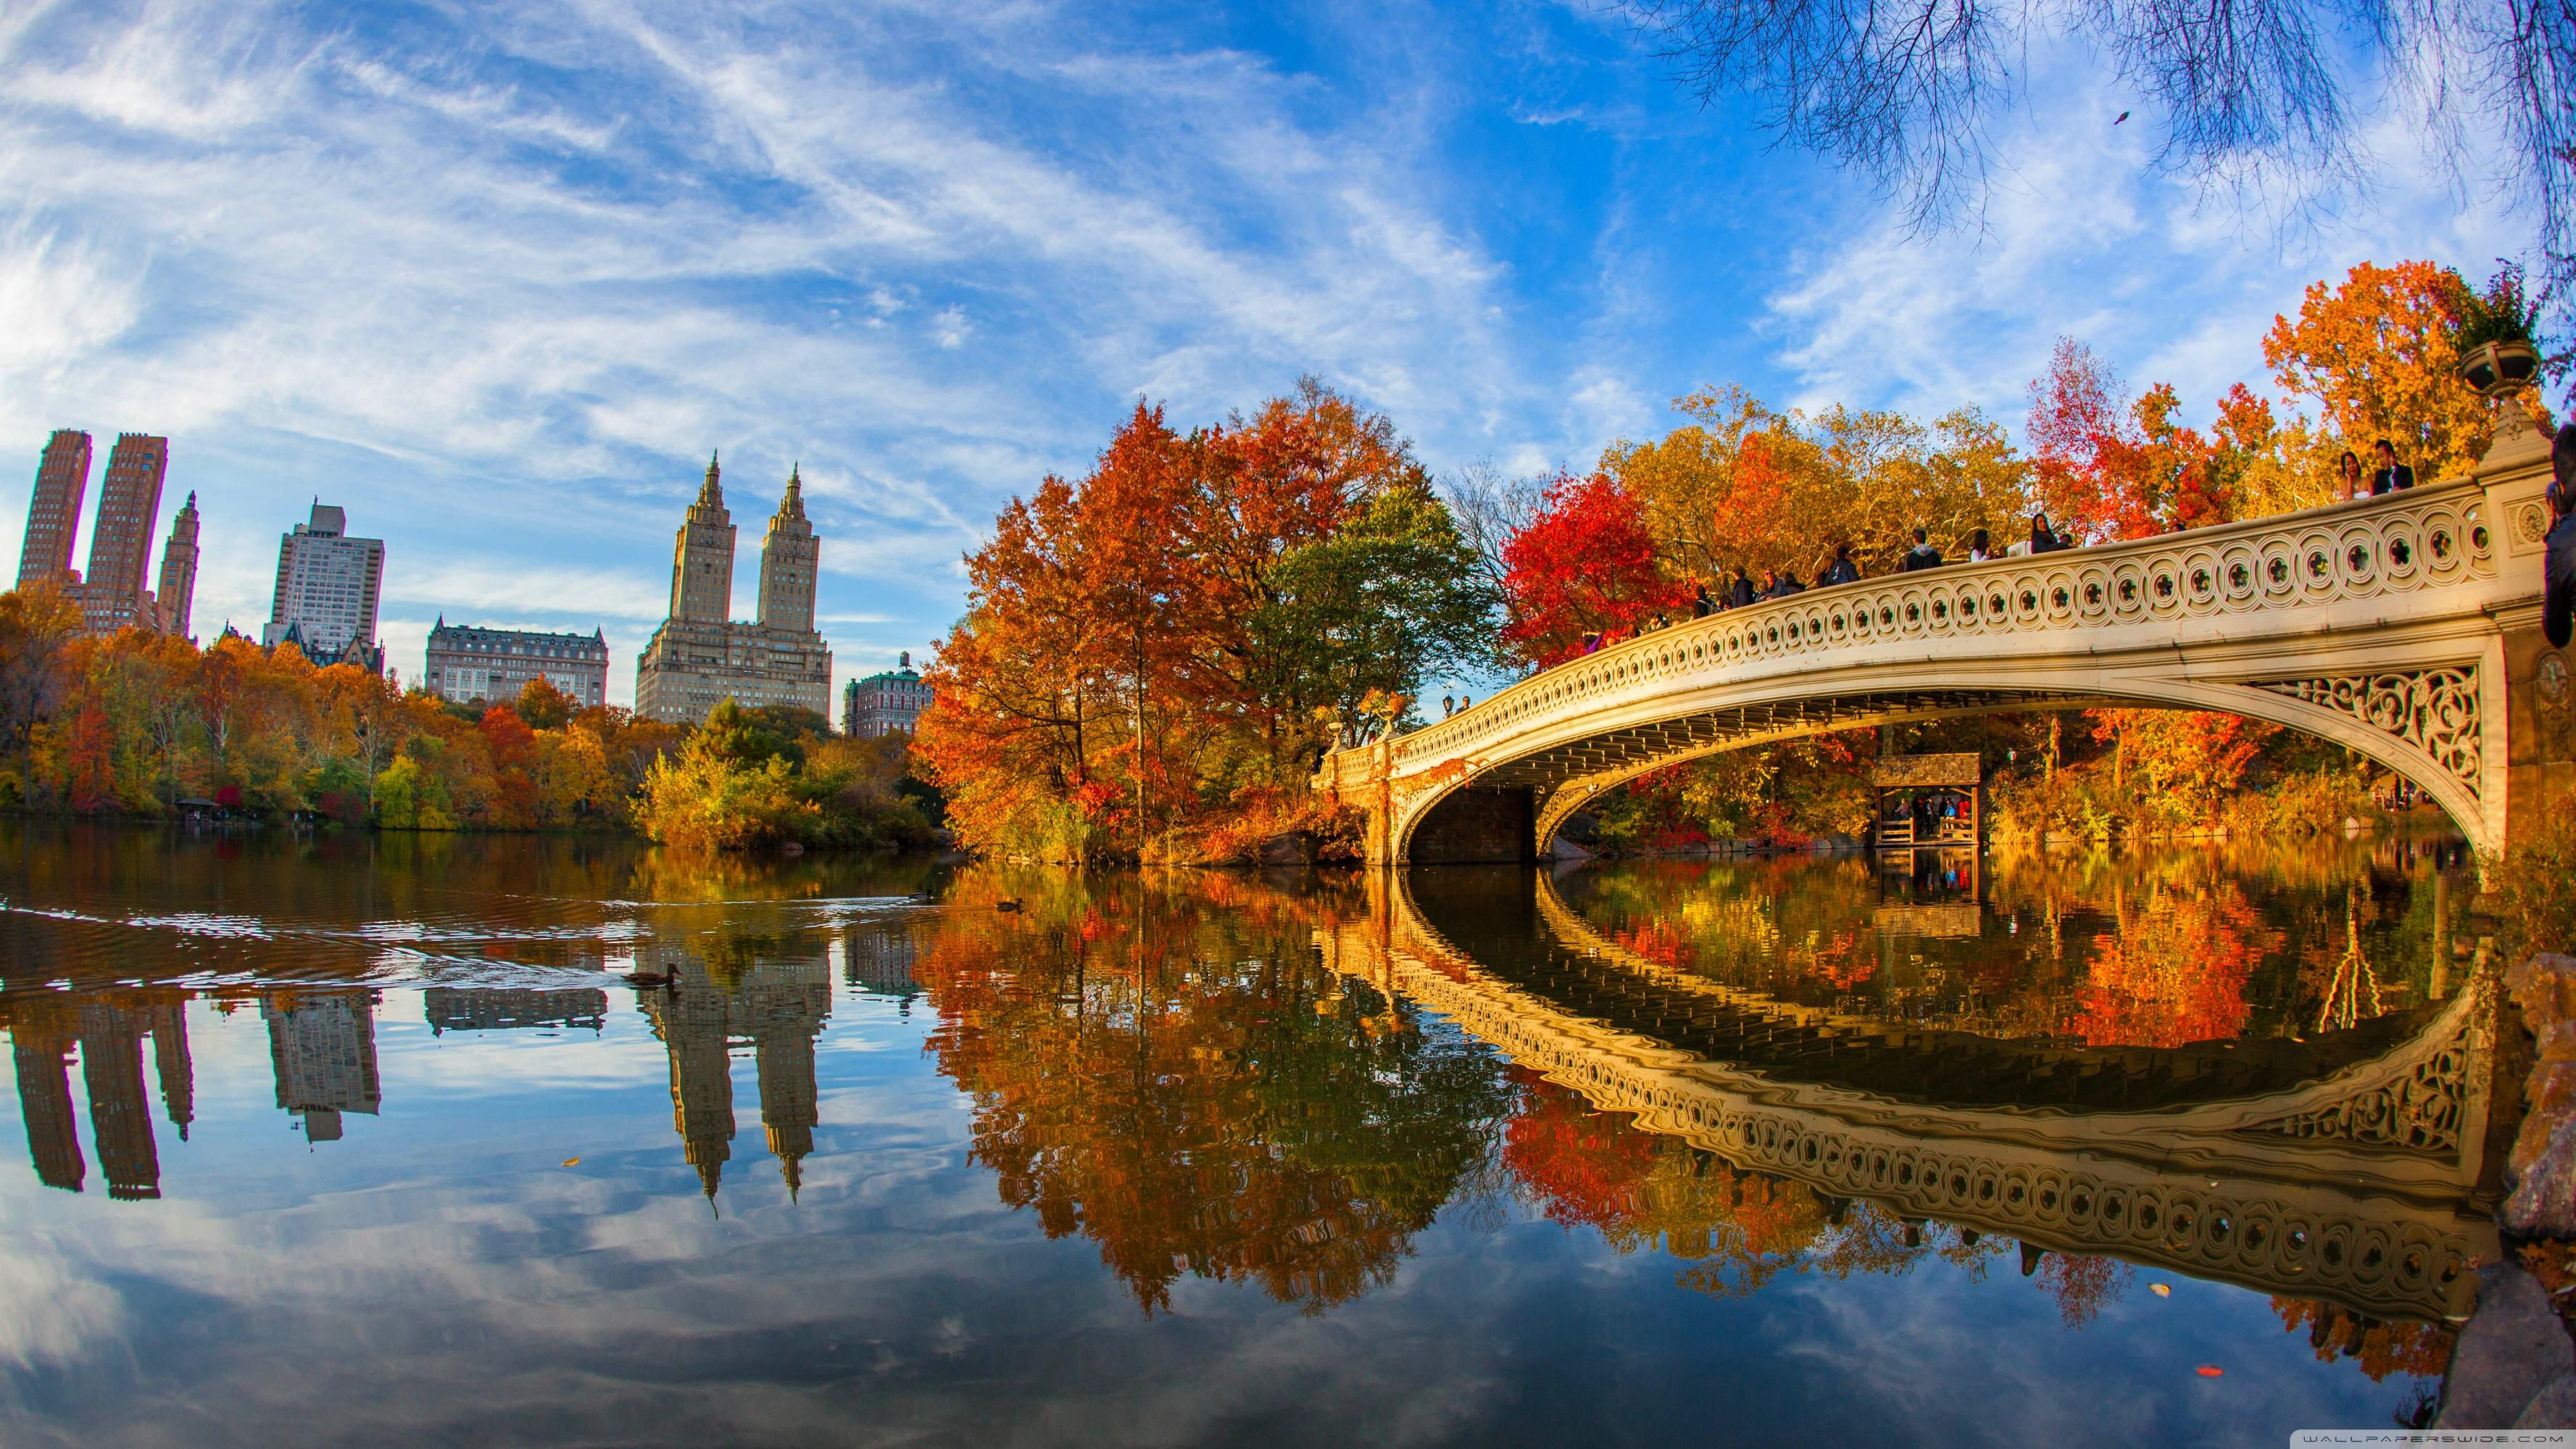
2375, 353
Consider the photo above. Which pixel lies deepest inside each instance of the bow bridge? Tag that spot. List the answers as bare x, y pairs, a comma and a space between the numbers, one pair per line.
2405, 627
2363, 1181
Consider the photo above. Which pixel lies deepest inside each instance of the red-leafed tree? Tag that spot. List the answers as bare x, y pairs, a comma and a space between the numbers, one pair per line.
1585, 564
2110, 467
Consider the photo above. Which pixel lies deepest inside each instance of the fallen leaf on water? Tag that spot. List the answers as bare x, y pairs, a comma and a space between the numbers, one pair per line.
2211, 1371
2160, 1290
572, 1162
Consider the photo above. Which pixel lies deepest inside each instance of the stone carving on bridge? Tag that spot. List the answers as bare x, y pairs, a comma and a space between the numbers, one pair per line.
2434, 710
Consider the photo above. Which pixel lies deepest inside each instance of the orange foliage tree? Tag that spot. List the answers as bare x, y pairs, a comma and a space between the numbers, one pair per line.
1174, 639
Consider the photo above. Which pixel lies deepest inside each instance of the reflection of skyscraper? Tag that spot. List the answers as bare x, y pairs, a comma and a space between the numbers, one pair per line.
779, 1005
505, 1008
43, 1048
170, 1062
120, 1113
322, 1046
781, 1008
690, 1016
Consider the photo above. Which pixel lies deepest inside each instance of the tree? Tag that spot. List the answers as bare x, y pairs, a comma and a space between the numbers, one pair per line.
2376, 354
544, 706
1585, 564
2245, 96
36, 625
1389, 598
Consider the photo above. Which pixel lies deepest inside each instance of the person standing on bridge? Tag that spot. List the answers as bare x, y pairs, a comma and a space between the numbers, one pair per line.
1841, 571
2392, 475
2348, 468
1922, 555
2558, 557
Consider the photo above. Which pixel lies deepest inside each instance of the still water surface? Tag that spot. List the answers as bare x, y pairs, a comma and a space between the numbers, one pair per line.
361, 1141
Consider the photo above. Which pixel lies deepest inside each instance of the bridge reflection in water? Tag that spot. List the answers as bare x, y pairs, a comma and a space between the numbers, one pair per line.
2353, 1168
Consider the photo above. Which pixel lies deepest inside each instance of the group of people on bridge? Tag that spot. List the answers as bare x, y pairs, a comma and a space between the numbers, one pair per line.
1737, 590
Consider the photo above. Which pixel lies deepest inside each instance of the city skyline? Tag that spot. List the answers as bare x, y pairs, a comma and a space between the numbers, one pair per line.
1507, 230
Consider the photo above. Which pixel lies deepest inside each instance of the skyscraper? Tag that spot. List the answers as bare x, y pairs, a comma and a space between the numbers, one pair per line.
178, 570
699, 657
702, 558
788, 555
327, 589
113, 591
53, 510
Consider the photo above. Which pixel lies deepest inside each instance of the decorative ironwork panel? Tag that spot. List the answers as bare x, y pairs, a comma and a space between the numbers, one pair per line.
2435, 710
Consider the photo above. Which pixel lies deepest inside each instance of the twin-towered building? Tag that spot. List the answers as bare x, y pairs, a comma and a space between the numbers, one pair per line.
114, 593
700, 656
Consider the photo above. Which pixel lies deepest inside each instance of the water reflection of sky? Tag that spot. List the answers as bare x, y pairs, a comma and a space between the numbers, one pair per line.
438, 1274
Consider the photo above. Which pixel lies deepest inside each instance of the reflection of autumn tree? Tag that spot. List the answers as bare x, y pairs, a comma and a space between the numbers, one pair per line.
2381, 1349
1737, 1230
1172, 1075
2083, 1284
2175, 970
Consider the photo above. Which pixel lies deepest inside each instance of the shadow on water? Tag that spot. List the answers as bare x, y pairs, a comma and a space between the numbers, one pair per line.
2255, 1071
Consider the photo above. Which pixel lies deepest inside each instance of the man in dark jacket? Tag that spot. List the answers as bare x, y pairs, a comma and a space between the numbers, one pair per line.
2392, 475
2558, 561
1922, 555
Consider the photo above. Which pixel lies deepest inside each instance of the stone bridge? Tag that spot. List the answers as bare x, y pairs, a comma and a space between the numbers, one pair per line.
2404, 627
2365, 1186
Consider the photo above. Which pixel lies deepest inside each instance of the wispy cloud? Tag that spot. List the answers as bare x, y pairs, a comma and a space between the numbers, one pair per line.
498, 277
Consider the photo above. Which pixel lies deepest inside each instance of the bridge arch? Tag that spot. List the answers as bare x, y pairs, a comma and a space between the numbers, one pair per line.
2402, 627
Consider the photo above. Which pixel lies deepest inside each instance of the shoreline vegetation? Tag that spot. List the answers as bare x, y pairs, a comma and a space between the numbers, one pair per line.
143, 726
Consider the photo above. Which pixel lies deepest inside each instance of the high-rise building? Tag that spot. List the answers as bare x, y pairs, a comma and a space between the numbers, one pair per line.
327, 589
115, 592
886, 703
54, 509
322, 1047
699, 657
178, 571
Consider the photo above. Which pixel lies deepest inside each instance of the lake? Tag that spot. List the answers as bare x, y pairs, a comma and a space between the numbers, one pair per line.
532, 1141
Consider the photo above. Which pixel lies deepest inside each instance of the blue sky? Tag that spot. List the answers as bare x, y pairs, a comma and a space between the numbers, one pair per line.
496, 278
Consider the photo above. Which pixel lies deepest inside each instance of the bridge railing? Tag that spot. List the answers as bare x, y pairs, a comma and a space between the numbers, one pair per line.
2428, 537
